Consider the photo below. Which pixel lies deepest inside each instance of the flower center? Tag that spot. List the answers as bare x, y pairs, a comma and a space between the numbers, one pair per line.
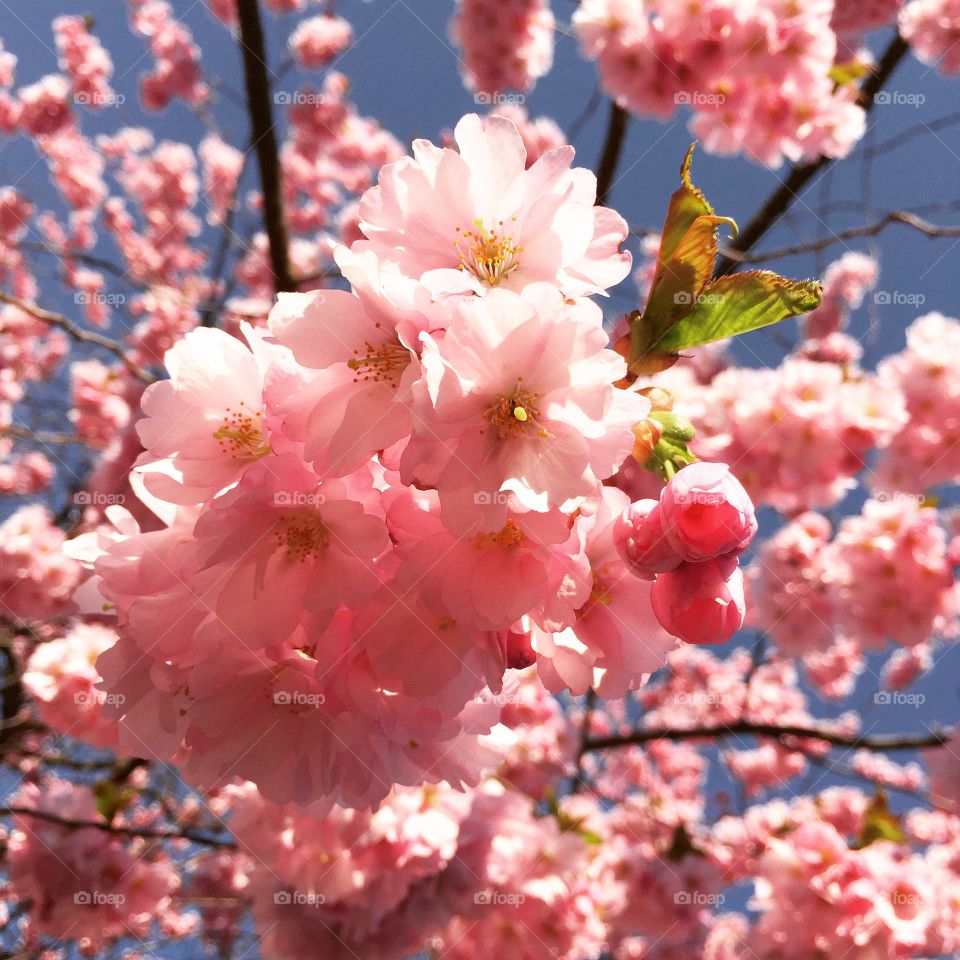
241, 435
515, 413
509, 536
303, 535
380, 364
490, 255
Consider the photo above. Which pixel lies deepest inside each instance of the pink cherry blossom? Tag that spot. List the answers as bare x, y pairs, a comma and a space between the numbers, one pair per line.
706, 513
317, 40
932, 28
516, 402
61, 676
700, 602
507, 46
484, 221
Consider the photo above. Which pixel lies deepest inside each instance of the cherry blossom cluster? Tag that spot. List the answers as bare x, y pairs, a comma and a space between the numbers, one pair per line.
384, 617
886, 576
375, 506
756, 74
506, 46
932, 28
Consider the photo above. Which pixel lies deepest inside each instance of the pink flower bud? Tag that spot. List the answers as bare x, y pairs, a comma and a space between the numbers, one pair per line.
706, 513
638, 535
700, 602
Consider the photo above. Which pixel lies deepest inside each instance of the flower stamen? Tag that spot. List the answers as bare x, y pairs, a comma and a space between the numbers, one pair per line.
490, 255
241, 435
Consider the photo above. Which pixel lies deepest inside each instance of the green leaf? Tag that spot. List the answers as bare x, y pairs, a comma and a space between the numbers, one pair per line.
111, 798
685, 262
843, 74
737, 304
879, 824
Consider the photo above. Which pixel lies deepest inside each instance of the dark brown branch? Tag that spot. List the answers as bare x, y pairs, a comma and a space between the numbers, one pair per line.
264, 139
19, 432
868, 230
782, 198
79, 334
612, 147
105, 827
880, 743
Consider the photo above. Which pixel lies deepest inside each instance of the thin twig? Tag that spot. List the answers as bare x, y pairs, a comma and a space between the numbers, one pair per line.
78, 333
868, 230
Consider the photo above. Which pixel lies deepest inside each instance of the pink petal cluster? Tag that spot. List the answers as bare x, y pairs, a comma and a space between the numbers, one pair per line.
36, 579
317, 40
688, 544
815, 894
932, 28
858, 16
926, 452
304, 483
755, 73
83, 884
885, 576
799, 434
45, 106
222, 165
84, 58
61, 676
506, 46
176, 73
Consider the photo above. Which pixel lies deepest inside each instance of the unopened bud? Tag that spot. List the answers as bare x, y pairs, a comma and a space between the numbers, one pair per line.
646, 435
674, 427
660, 399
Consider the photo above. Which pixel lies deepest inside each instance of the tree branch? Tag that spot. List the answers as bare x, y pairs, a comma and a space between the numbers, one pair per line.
264, 139
880, 743
613, 145
79, 334
105, 827
782, 198
19, 432
868, 230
